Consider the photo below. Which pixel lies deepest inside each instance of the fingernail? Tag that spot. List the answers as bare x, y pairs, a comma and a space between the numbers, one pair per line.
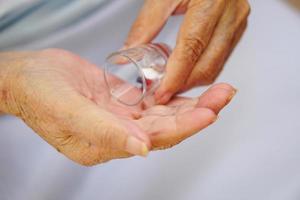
215, 119
232, 95
136, 147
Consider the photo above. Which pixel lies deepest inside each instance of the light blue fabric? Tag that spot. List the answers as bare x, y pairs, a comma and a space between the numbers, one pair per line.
32, 19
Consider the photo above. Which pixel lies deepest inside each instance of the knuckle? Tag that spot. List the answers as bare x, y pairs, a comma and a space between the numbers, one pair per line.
64, 139
247, 6
247, 9
207, 4
192, 47
244, 9
208, 77
205, 77
209, 81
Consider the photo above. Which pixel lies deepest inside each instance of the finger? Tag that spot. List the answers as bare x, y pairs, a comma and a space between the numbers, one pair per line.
213, 98
195, 32
167, 130
228, 31
150, 21
216, 97
188, 118
185, 125
181, 8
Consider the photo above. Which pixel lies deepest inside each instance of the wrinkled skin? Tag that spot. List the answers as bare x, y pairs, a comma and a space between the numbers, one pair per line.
209, 32
64, 99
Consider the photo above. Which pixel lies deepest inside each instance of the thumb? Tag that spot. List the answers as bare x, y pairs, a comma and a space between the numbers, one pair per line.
151, 19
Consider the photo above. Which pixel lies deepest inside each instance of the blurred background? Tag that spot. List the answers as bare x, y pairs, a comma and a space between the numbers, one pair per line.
252, 152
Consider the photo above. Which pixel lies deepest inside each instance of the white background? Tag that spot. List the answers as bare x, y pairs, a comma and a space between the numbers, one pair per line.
252, 152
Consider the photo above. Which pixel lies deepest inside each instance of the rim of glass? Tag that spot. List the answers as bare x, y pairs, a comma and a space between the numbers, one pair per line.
136, 65
160, 47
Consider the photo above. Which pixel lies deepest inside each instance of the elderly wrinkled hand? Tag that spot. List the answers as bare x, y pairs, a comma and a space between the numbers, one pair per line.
65, 100
209, 32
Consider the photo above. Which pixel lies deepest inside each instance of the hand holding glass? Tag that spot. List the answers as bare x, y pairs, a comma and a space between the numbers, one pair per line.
134, 74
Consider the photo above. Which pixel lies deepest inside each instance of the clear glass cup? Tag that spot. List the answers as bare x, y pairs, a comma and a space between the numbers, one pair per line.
133, 74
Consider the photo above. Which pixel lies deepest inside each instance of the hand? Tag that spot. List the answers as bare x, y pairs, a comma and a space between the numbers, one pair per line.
64, 99
209, 32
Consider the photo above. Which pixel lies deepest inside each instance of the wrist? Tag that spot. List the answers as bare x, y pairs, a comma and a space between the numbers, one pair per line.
9, 67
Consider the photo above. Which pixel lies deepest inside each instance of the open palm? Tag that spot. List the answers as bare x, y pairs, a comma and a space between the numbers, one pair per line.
65, 100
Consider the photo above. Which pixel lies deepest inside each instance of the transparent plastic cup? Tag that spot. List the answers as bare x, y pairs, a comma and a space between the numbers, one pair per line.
133, 74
